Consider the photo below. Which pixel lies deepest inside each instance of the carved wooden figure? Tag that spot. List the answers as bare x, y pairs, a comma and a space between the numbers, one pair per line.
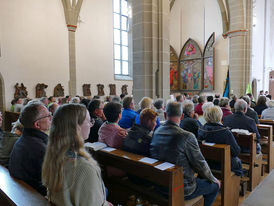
86, 90
20, 92
58, 91
112, 88
100, 89
124, 89
40, 90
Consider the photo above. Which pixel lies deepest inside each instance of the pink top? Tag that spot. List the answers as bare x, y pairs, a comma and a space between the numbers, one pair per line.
110, 134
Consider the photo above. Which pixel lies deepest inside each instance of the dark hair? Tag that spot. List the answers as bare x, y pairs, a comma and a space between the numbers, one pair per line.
112, 111
174, 109
146, 115
261, 100
269, 96
85, 102
122, 96
94, 104
96, 97
50, 98
216, 102
158, 104
210, 98
127, 101
30, 113
217, 95
178, 98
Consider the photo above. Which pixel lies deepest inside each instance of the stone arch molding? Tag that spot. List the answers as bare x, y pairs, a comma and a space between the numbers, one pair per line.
2, 94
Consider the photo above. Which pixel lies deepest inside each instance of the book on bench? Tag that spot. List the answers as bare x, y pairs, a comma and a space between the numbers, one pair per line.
95, 145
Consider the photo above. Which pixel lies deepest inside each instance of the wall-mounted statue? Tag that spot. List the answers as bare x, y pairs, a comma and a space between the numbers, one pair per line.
124, 89
40, 90
86, 90
100, 89
58, 91
20, 92
112, 89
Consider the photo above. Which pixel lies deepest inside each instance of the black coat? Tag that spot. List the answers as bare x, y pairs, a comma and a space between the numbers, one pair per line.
191, 125
27, 158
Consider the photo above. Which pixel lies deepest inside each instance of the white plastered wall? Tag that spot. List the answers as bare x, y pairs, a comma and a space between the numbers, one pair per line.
197, 20
34, 46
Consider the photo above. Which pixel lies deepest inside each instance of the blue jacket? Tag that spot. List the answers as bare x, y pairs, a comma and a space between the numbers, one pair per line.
219, 134
27, 158
128, 118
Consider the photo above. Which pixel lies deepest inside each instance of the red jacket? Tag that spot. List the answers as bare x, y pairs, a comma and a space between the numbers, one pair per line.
198, 109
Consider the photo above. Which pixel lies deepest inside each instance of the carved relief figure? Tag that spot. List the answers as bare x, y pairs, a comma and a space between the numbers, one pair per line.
40, 90
20, 92
58, 91
86, 90
100, 89
112, 88
124, 89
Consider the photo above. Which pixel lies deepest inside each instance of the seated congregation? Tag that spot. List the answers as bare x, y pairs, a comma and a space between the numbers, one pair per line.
46, 146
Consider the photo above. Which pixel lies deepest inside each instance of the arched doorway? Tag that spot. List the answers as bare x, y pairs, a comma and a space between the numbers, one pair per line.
271, 83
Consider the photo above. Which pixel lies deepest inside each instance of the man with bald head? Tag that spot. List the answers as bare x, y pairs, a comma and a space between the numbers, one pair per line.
28, 152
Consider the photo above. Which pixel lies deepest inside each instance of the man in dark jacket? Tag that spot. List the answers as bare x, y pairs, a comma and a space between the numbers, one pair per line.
250, 112
28, 152
190, 121
239, 120
172, 144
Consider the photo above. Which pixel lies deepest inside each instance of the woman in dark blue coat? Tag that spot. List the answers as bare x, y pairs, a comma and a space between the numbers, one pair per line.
214, 132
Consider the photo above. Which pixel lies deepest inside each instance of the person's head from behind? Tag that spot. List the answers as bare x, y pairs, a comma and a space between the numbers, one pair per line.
224, 102
159, 104
247, 100
122, 96
270, 103
95, 108
128, 103
70, 127
85, 102
201, 99
116, 99
145, 102
174, 112
213, 114
112, 112
45, 101
179, 98
36, 116
188, 108
206, 105
261, 101
74, 100
53, 107
51, 99
195, 99
240, 106
209, 98
148, 118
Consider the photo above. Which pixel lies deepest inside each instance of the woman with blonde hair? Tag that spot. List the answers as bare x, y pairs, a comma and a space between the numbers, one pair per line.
70, 174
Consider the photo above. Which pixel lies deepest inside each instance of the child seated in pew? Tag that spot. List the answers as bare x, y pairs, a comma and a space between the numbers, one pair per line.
70, 174
215, 132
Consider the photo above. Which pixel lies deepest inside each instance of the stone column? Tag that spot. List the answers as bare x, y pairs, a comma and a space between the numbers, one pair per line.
150, 36
240, 45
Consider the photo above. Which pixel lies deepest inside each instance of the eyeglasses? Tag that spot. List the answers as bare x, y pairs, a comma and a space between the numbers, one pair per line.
49, 115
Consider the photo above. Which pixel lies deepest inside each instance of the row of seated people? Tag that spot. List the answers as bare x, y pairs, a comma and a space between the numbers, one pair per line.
37, 121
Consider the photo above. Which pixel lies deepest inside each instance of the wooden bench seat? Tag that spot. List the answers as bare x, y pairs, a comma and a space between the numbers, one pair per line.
253, 159
267, 145
17, 192
121, 188
230, 183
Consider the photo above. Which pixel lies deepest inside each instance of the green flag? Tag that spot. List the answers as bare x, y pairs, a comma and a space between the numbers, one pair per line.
248, 89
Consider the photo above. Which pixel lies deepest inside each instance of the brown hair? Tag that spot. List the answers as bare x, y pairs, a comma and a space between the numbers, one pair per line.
146, 115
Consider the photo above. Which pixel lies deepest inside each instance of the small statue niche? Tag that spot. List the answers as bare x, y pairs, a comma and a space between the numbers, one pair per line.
124, 89
112, 88
100, 89
20, 91
40, 90
86, 90
58, 91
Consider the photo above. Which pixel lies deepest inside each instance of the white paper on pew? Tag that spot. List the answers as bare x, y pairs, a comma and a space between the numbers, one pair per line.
164, 166
148, 160
126, 157
208, 144
108, 149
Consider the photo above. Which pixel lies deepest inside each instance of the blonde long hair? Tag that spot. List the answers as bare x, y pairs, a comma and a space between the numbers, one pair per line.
63, 137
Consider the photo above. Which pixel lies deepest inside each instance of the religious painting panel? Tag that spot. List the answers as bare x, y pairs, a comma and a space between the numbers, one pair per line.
209, 64
190, 67
173, 70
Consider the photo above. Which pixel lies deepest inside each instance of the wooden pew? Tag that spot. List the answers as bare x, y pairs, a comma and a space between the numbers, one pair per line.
230, 183
16, 192
171, 178
10, 117
267, 145
253, 159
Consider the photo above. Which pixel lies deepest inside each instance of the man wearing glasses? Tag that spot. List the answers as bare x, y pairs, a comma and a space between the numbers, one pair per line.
28, 152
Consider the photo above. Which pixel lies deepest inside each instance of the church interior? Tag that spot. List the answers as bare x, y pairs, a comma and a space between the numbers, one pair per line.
144, 48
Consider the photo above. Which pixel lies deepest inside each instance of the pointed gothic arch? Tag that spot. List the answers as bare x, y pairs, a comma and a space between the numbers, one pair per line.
190, 67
